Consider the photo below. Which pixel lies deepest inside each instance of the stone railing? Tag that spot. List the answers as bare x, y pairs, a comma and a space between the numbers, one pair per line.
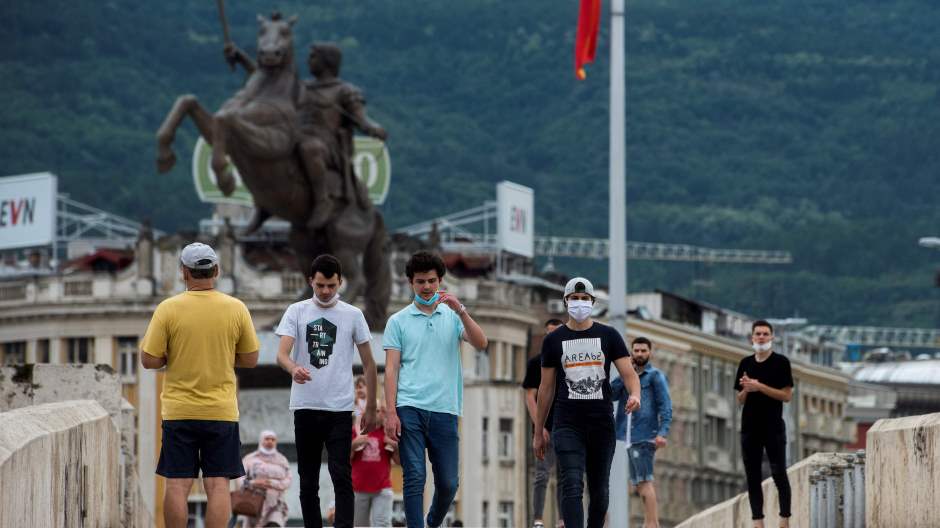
902, 475
736, 512
60, 466
895, 483
837, 493
35, 387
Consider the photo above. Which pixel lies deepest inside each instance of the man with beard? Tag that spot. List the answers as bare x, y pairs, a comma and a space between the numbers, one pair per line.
544, 467
649, 427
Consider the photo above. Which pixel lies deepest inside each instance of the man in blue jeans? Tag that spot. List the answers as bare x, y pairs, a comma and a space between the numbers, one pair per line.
650, 425
424, 385
576, 361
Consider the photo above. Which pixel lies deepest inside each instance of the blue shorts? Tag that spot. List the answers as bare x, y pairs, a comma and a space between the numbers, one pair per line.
192, 445
640, 456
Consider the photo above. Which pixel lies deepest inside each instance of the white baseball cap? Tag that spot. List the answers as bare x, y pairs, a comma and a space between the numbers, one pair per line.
198, 256
579, 285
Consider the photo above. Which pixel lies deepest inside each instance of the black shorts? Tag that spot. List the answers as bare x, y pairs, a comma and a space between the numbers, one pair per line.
208, 445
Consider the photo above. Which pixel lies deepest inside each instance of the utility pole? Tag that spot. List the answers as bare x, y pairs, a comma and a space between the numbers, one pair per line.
617, 267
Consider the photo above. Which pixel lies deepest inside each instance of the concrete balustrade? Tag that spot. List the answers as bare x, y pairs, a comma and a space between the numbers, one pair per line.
736, 511
902, 473
895, 482
59, 466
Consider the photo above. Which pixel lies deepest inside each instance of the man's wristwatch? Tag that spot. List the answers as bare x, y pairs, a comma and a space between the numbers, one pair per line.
462, 310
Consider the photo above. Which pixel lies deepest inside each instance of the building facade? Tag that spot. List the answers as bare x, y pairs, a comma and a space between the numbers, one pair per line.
97, 310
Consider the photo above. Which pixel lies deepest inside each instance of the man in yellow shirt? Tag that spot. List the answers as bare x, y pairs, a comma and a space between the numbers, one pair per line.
200, 335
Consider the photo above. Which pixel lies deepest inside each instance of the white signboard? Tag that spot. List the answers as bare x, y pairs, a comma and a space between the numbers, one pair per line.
27, 210
516, 220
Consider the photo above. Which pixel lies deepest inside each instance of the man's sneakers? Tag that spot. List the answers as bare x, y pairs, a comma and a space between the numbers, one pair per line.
538, 524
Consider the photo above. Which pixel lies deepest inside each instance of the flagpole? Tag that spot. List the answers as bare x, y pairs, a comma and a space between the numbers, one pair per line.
617, 267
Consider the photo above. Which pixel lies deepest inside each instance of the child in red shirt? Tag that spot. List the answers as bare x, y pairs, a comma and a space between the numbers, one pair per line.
372, 457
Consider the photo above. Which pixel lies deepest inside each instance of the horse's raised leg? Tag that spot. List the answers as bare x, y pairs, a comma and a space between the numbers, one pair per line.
220, 126
306, 247
378, 275
185, 105
257, 219
352, 273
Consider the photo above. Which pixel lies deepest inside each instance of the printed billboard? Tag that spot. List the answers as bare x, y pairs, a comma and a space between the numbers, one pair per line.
516, 220
28, 210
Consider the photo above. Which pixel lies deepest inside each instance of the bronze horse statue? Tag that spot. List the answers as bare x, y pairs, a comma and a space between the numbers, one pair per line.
258, 129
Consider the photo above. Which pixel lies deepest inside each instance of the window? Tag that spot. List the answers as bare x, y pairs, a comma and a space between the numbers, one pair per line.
517, 353
485, 521
484, 437
482, 364
197, 514
13, 353
78, 349
77, 288
127, 358
717, 377
690, 434
398, 512
42, 351
504, 516
505, 439
716, 432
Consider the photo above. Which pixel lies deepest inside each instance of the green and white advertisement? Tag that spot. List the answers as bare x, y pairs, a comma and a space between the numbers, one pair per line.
371, 164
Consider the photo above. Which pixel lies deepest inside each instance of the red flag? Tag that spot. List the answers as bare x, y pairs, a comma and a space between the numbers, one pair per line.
585, 44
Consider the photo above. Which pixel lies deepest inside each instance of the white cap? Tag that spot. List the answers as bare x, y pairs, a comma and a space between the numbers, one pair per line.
198, 256
579, 285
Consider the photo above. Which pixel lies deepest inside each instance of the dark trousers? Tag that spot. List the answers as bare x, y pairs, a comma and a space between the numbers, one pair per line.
313, 430
584, 449
753, 445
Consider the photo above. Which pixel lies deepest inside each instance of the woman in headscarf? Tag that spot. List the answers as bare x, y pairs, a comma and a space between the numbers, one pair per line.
268, 469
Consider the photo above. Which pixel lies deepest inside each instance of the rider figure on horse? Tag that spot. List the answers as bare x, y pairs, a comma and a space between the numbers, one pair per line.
330, 111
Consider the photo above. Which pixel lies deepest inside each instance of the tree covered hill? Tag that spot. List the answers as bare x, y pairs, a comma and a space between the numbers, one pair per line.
805, 126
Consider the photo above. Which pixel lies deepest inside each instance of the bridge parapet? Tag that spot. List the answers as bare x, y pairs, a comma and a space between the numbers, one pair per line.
902, 476
60, 466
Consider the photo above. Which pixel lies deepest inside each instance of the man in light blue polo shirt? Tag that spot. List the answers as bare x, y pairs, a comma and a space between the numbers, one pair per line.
424, 386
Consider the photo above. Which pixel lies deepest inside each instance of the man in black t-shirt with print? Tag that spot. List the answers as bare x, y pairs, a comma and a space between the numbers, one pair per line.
763, 382
544, 467
576, 362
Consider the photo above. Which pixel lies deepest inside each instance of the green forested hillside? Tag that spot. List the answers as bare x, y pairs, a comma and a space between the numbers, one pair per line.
805, 126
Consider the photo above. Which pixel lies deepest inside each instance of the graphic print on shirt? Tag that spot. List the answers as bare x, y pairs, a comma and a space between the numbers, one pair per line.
321, 335
583, 361
372, 452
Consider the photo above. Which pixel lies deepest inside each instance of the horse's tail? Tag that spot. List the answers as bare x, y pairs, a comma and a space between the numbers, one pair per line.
378, 274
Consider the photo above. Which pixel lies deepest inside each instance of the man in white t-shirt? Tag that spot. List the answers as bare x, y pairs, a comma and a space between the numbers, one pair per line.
318, 339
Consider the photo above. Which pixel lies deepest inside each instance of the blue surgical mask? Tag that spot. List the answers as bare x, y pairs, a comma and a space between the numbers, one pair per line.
428, 302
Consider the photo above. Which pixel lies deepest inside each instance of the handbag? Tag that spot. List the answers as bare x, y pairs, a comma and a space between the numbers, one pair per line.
248, 500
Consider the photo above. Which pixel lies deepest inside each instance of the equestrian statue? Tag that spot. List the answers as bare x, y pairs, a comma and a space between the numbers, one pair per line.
292, 143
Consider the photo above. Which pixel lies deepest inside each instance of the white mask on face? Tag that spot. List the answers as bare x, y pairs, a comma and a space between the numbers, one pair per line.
580, 310
762, 347
333, 300
267, 451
